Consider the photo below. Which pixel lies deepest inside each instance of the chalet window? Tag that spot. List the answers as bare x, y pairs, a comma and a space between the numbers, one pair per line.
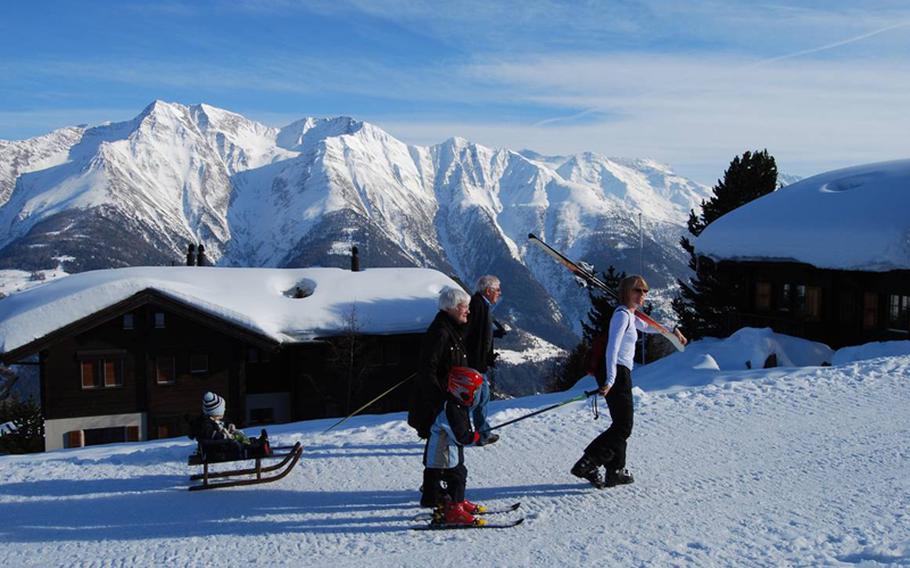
199, 363
88, 374
113, 373
870, 310
800, 293
813, 304
899, 312
159, 320
785, 297
165, 370
762, 296
128, 321
101, 372
74, 439
113, 435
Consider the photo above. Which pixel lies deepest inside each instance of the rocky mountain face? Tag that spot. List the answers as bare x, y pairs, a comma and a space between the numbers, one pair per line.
137, 192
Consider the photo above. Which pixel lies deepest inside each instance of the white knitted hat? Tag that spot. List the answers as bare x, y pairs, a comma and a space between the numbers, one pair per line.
212, 404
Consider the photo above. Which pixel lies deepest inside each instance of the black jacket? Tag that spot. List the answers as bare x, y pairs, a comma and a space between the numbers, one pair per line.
442, 348
479, 335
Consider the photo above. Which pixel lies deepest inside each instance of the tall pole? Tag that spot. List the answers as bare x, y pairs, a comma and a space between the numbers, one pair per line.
641, 270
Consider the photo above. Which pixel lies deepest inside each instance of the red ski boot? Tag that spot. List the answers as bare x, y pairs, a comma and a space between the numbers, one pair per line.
473, 508
456, 515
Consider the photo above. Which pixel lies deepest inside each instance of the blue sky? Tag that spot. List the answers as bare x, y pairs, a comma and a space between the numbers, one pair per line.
692, 84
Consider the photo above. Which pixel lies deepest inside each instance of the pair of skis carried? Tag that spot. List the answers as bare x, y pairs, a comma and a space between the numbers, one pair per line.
483, 523
585, 274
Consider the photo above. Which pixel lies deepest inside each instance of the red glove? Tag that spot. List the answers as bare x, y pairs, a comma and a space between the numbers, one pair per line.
476, 437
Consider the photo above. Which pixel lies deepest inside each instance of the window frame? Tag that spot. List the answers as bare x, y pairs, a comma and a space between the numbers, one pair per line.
899, 321
158, 367
763, 296
100, 365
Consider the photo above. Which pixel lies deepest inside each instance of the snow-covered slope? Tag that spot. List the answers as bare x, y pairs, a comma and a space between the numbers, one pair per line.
137, 192
21, 157
788, 466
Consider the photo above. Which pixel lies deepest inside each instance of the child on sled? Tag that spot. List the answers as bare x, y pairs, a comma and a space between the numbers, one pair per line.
225, 442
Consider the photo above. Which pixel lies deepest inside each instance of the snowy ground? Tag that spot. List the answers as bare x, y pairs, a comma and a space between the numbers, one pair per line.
787, 466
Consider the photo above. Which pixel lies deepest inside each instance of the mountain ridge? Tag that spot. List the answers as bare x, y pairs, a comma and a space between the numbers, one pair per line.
304, 193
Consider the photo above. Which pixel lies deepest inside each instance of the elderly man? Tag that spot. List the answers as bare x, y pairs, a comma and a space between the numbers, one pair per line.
479, 343
442, 348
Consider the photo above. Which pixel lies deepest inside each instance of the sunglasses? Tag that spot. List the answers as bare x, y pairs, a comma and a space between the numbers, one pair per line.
640, 290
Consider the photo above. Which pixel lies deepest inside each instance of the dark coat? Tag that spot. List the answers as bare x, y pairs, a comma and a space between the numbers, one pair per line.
479, 335
442, 348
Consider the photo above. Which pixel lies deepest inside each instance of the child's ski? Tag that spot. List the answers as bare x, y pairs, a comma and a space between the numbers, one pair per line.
485, 512
587, 275
446, 527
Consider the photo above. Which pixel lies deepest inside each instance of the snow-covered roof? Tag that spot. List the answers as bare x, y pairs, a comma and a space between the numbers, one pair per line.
377, 300
850, 219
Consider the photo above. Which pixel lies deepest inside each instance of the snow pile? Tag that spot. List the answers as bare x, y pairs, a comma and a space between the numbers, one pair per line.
871, 351
377, 301
850, 219
748, 348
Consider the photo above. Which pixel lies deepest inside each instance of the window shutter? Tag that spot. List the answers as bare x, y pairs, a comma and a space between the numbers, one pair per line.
88, 374
75, 439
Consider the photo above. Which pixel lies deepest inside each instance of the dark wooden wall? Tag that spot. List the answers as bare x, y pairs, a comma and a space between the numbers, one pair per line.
840, 321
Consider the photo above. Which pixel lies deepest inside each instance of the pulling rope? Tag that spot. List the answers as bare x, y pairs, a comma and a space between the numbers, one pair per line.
356, 412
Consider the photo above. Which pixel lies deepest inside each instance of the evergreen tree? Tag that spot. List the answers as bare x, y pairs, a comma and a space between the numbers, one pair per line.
25, 426
705, 300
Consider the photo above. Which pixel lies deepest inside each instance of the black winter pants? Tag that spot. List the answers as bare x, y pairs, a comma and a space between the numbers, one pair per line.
609, 449
442, 484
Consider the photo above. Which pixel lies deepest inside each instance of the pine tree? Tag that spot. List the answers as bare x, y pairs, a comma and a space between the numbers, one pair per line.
705, 300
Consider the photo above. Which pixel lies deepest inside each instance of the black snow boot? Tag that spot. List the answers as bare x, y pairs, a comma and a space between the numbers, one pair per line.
618, 477
586, 468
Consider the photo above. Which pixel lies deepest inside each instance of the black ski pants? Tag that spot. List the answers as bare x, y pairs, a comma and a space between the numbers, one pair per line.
440, 485
609, 449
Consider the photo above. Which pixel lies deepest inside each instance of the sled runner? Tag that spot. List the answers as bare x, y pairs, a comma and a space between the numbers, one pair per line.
209, 453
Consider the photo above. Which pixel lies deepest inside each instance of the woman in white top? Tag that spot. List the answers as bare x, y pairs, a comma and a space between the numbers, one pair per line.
609, 449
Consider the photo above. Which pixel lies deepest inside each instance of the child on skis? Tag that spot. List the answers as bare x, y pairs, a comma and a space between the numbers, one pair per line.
444, 453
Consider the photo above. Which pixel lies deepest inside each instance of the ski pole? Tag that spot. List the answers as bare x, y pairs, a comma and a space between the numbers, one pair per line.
583, 396
356, 412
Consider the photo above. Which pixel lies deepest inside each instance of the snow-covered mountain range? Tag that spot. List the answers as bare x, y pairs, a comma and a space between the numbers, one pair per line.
137, 192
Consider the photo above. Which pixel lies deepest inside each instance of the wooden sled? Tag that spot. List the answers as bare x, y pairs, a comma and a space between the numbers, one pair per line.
288, 460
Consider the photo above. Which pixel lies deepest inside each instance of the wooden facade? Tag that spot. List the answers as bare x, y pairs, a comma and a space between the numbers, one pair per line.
836, 307
136, 370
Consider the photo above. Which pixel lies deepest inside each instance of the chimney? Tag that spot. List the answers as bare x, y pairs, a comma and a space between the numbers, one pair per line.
355, 260
200, 257
191, 255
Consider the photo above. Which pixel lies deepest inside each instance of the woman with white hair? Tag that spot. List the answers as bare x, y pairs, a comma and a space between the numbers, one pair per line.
442, 348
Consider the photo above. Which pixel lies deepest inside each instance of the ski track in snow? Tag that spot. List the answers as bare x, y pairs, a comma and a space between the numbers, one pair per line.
777, 467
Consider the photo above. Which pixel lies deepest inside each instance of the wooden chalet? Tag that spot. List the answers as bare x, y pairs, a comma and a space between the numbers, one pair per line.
835, 307
826, 258
136, 367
